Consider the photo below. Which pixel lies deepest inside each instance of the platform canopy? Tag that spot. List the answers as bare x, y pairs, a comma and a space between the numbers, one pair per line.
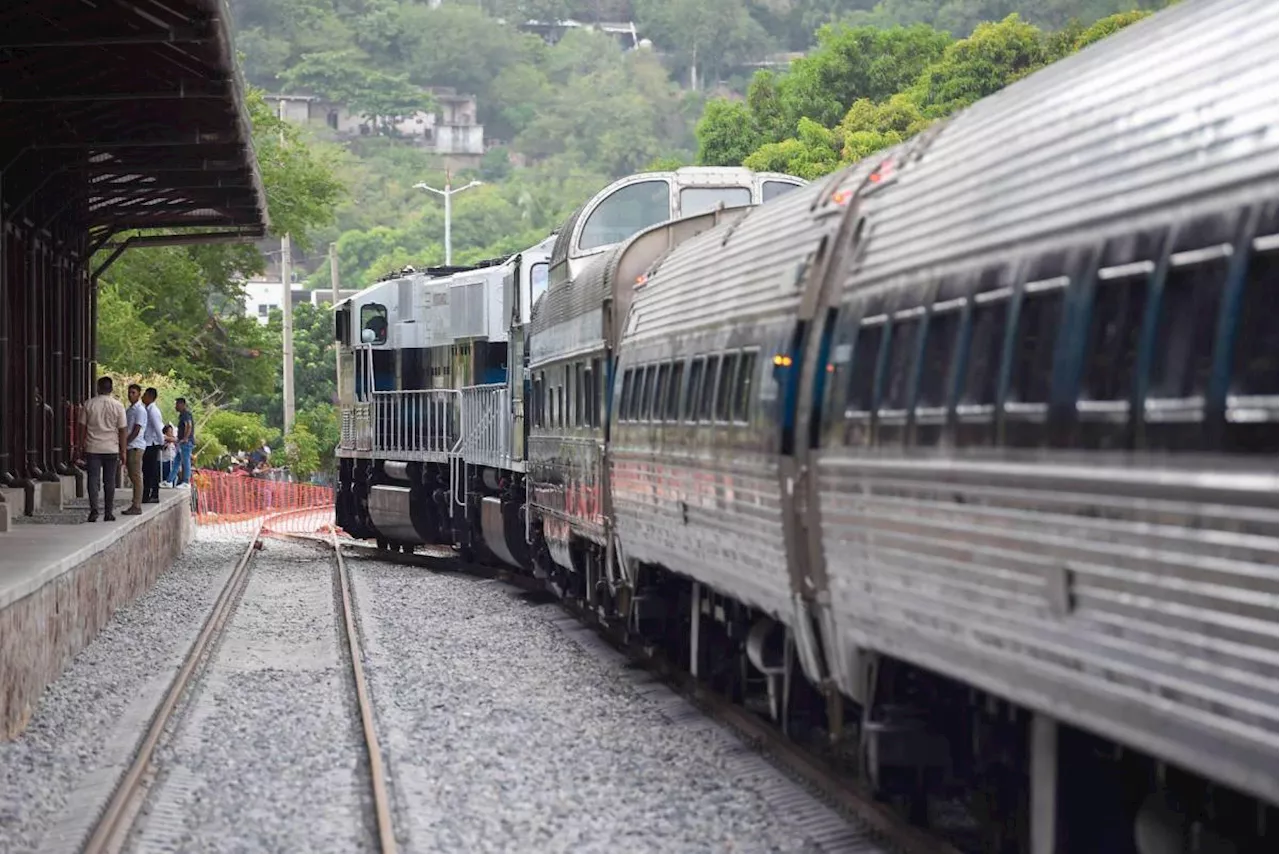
130, 113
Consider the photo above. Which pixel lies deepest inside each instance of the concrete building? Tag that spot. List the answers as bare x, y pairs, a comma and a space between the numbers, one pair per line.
451, 130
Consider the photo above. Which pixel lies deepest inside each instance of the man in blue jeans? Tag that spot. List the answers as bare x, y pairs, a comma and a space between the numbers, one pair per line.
186, 440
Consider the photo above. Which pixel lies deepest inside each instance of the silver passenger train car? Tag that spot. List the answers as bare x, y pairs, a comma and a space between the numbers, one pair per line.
964, 457
985, 430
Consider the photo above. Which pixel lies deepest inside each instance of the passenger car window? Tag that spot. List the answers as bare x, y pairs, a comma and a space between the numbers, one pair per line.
1039, 316
660, 392
1188, 320
746, 380
706, 403
866, 354
696, 200
538, 276
1253, 370
1115, 325
673, 392
624, 404
773, 189
939, 349
725, 389
646, 393
905, 338
629, 210
692, 394
986, 344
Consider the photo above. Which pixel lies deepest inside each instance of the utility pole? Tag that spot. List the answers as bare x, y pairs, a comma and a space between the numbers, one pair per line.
286, 273
333, 284
448, 192
286, 308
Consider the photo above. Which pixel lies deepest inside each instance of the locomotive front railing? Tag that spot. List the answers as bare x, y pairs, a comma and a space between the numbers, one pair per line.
486, 426
420, 425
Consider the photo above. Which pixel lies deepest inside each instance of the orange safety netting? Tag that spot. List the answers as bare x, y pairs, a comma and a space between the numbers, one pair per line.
238, 503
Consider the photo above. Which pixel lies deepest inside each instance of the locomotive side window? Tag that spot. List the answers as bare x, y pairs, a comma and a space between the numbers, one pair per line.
725, 389
1039, 316
660, 392
538, 277
706, 401
673, 392
904, 338
373, 320
866, 357
746, 381
628, 210
693, 393
939, 348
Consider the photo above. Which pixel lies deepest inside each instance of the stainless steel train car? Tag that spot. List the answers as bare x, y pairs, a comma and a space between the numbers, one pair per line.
964, 457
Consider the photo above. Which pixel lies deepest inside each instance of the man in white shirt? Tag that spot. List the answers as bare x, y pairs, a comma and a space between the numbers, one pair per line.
136, 414
103, 445
154, 434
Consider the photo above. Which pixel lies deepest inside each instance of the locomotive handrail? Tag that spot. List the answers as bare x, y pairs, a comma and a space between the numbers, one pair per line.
421, 423
486, 435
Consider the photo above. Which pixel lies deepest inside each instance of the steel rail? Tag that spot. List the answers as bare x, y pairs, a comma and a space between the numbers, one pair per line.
113, 821
377, 775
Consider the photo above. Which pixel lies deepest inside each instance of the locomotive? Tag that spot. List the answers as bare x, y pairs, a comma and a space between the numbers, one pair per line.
964, 456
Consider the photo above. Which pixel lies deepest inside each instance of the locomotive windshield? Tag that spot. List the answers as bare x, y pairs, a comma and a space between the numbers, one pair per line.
696, 200
629, 210
373, 319
773, 189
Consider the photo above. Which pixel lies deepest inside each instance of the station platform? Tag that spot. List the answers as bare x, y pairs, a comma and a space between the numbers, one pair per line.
61, 580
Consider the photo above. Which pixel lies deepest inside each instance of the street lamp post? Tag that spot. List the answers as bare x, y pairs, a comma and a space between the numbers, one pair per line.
448, 192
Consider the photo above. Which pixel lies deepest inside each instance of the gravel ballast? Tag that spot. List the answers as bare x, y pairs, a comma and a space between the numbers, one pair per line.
90, 719
503, 734
267, 755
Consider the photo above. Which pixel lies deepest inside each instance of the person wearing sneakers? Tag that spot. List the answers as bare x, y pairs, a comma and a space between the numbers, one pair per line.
103, 421
136, 416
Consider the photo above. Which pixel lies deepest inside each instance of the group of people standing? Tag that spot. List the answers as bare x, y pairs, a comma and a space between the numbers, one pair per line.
135, 437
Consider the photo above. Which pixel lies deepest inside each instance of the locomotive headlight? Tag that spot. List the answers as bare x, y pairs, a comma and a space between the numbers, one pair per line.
782, 361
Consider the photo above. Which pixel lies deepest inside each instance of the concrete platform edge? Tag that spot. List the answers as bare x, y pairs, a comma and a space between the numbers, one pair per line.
46, 621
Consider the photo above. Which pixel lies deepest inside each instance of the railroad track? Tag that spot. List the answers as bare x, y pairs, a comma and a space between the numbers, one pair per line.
117, 821
816, 772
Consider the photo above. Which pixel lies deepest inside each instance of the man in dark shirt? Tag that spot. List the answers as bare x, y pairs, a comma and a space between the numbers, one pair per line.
186, 439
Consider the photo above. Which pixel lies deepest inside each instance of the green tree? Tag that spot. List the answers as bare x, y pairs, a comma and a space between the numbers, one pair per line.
814, 152
969, 70
707, 36
727, 133
302, 452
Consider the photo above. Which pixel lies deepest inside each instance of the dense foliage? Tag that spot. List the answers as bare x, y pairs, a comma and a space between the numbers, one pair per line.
572, 115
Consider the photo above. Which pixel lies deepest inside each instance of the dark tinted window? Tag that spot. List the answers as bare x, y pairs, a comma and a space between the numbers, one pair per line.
1253, 370
1188, 320
939, 351
773, 189
1115, 325
660, 393
986, 343
646, 393
862, 379
707, 397
594, 379
673, 392
904, 340
724, 388
693, 393
628, 395
1039, 317
579, 406
746, 381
